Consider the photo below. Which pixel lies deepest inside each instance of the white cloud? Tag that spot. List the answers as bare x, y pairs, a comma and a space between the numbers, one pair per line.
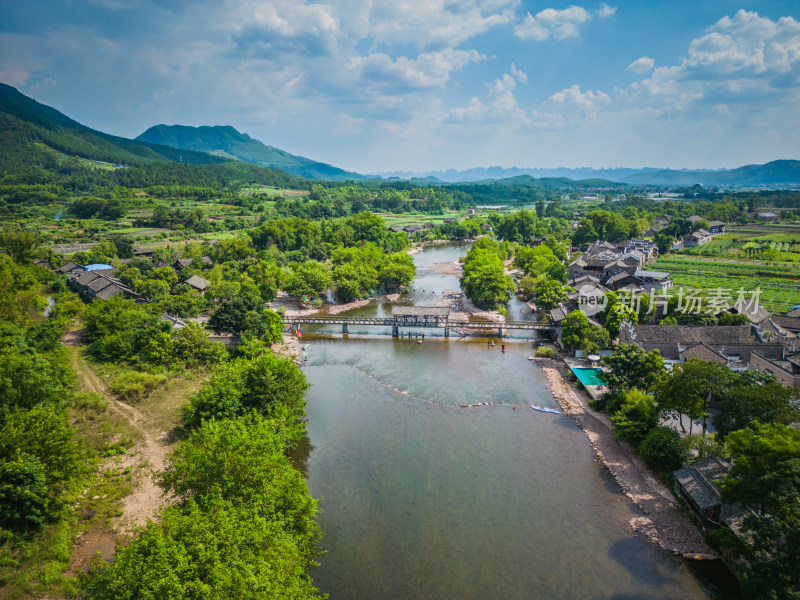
267, 29
604, 11
559, 24
522, 77
737, 59
586, 103
501, 105
434, 23
641, 65
428, 70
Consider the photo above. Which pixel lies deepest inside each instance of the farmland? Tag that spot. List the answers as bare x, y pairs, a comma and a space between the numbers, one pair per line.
779, 282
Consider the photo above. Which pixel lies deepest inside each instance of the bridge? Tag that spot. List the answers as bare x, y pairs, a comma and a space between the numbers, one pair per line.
419, 316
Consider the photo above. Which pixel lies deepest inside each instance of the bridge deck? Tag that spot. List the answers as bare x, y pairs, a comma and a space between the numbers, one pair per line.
432, 322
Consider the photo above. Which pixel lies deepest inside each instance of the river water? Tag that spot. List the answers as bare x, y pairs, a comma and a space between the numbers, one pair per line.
423, 499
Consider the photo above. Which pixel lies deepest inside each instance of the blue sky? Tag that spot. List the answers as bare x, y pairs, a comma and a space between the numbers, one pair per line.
386, 85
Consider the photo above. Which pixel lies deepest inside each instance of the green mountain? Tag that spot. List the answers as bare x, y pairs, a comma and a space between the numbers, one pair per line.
227, 142
776, 173
28, 128
39, 144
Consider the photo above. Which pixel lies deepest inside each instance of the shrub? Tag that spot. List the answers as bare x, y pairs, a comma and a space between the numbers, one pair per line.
23, 494
635, 418
133, 386
545, 352
662, 450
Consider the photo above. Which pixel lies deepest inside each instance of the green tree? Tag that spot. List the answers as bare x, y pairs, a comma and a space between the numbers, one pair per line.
690, 388
632, 367
662, 450
573, 328
309, 279
221, 550
270, 385
595, 339
636, 417
766, 475
766, 403
549, 294
396, 272
243, 459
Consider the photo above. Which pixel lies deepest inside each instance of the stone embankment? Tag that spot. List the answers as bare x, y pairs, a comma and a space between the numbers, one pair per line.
663, 520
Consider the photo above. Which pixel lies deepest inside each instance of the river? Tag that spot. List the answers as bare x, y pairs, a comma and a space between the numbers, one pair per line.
423, 499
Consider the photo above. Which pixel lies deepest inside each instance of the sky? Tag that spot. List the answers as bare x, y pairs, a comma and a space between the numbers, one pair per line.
420, 85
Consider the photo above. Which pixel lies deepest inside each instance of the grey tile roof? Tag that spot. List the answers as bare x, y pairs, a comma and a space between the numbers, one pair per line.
698, 481
687, 334
197, 282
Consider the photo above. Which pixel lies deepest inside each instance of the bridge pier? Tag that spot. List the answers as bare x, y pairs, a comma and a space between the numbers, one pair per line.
395, 331
446, 332
344, 328
500, 332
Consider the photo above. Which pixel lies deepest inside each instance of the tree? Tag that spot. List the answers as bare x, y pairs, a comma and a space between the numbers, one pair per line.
636, 417
689, 388
632, 367
232, 314
484, 280
396, 272
270, 385
595, 339
662, 450
549, 294
223, 549
21, 245
309, 279
766, 403
766, 474
243, 459
24, 500
573, 328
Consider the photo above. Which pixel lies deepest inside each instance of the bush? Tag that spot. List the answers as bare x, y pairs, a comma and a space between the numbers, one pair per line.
636, 417
23, 494
545, 352
662, 450
133, 386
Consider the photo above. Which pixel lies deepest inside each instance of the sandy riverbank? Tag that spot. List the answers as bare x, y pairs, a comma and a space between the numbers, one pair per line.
664, 520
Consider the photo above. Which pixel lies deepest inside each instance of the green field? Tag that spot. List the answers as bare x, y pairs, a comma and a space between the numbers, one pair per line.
779, 283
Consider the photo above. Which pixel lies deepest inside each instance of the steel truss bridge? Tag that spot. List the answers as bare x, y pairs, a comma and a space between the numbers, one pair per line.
396, 322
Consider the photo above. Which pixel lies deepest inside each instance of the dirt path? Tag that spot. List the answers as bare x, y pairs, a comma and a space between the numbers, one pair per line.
145, 458
663, 520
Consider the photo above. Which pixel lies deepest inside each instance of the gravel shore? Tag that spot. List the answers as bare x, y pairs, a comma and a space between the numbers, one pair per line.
664, 521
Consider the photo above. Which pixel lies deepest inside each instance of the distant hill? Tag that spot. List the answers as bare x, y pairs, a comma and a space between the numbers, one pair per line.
778, 173
228, 142
775, 173
25, 121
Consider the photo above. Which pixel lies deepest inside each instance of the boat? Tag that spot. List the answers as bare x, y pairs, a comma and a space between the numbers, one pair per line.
545, 409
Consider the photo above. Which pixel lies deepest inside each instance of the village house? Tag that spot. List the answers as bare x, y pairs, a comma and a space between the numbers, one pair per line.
696, 238
731, 345
698, 486
716, 227
97, 283
198, 283
614, 265
767, 216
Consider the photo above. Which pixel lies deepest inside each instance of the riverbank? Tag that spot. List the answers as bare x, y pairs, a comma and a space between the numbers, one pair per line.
664, 521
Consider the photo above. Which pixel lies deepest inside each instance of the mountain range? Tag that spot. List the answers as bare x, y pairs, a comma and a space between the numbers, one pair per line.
777, 173
31, 132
